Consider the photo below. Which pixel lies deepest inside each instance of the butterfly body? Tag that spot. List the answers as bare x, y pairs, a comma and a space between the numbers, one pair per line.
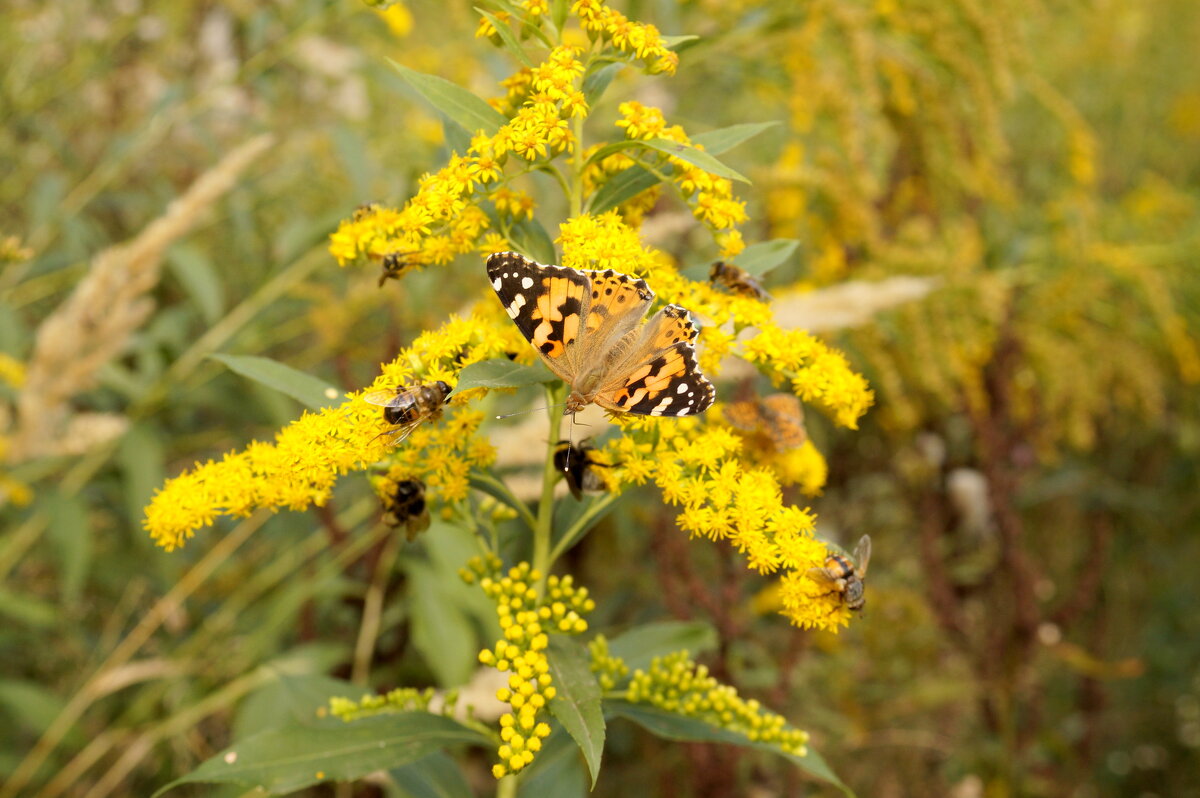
587, 326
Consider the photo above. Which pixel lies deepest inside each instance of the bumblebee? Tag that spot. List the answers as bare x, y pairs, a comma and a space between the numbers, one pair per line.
776, 420
405, 508
407, 406
579, 467
736, 280
845, 577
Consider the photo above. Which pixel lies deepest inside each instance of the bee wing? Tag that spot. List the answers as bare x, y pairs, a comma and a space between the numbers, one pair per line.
823, 576
862, 555
380, 398
398, 433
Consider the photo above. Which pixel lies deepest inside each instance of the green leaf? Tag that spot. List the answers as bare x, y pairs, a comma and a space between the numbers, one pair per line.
501, 373
453, 100
291, 699
530, 238
612, 147
577, 702
558, 770
724, 139
441, 632
304, 388
758, 259
506, 36
192, 268
279, 761
596, 81
142, 461
621, 187
72, 540
433, 776
673, 42
558, 12
29, 704
678, 727
458, 138
695, 157
639, 645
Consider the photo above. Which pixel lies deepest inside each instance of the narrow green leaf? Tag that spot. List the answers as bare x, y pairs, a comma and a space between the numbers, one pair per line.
501, 373
612, 147
558, 770
29, 704
724, 139
72, 541
279, 761
577, 703
674, 42
696, 158
558, 12
453, 100
458, 138
192, 268
671, 726
433, 776
506, 36
758, 259
291, 699
596, 82
639, 645
530, 238
304, 388
142, 460
621, 187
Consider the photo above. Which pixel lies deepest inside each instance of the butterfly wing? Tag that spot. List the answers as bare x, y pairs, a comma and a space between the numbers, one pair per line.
660, 375
786, 420
547, 303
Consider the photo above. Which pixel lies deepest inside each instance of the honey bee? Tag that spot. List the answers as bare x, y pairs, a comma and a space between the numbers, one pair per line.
845, 577
776, 421
579, 467
736, 280
404, 508
407, 406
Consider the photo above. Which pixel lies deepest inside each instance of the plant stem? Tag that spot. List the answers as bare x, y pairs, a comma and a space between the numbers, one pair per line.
545, 515
507, 788
581, 525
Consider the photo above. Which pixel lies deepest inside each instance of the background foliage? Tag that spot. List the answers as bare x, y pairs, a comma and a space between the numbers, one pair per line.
1027, 474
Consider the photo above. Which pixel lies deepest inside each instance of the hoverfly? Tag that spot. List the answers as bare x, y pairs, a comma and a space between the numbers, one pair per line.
407, 406
845, 577
737, 280
396, 264
578, 465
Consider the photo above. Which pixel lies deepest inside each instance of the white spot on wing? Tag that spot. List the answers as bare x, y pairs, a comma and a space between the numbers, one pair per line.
527, 283
661, 406
497, 283
682, 387
515, 306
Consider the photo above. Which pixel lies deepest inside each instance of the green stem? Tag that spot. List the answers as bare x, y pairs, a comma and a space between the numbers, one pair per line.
507, 788
577, 178
545, 515
582, 524
490, 479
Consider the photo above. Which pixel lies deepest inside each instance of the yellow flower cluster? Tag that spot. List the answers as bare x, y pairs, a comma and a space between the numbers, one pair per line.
814, 372
677, 684
697, 467
526, 619
309, 455
443, 219
633, 38
402, 699
710, 196
609, 670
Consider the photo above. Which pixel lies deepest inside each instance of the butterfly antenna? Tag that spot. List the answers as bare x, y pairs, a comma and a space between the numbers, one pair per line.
530, 410
570, 443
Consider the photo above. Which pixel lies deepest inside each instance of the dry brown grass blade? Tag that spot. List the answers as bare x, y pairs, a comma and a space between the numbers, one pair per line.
94, 323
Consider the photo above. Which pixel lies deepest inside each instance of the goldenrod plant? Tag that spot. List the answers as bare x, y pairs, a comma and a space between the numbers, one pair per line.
480, 203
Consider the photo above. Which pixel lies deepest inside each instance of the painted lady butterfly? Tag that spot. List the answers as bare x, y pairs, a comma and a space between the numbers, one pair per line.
585, 325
